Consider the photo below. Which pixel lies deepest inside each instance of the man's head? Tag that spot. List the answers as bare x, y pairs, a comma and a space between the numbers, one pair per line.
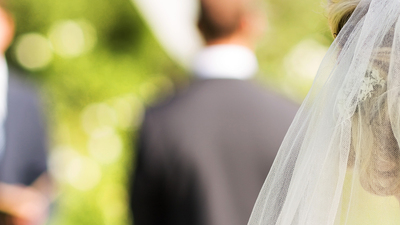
6, 28
230, 21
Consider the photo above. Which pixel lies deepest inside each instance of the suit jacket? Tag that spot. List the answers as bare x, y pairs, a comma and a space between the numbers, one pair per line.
203, 157
25, 156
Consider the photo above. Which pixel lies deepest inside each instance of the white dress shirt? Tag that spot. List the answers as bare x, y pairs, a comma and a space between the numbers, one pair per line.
225, 62
3, 101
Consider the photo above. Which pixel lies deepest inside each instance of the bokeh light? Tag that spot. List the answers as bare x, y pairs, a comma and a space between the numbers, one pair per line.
59, 160
105, 145
98, 116
33, 51
130, 111
72, 38
304, 59
83, 173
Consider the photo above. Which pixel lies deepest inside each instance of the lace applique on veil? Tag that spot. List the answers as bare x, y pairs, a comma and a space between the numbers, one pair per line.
372, 79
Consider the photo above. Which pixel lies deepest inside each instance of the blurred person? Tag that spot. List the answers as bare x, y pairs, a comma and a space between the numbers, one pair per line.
24, 183
203, 156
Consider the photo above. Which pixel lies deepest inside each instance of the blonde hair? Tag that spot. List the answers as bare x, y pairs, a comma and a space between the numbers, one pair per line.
374, 146
339, 12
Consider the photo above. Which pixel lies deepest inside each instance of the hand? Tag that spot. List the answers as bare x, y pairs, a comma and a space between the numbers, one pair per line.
26, 205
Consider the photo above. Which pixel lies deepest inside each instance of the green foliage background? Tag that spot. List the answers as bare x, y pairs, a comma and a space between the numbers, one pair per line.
127, 62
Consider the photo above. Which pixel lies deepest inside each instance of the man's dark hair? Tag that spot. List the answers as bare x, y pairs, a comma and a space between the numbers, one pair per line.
219, 18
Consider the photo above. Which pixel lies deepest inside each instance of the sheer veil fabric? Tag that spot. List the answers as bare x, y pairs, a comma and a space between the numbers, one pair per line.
340, 160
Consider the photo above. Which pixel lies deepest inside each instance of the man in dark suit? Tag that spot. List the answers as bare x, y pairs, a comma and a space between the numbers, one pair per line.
203, 156
24, 184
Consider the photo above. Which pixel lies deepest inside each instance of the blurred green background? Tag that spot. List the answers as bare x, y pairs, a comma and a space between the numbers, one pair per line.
98, 66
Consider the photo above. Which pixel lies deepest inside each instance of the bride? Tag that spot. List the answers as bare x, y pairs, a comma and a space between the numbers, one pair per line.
340, 160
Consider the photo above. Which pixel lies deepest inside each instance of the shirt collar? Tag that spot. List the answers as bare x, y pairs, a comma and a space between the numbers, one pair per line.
3, 87
3, 102
3, 66
225, 62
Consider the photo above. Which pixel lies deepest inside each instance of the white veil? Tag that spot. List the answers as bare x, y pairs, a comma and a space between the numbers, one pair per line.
340, 160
